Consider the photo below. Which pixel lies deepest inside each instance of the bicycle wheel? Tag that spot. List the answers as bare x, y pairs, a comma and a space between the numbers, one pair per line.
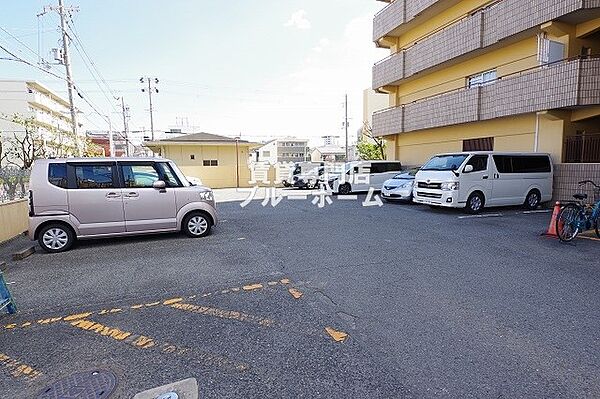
568, 222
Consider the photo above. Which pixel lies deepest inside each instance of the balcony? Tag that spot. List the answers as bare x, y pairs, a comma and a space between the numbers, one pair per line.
569, 83
482, 29
396, 14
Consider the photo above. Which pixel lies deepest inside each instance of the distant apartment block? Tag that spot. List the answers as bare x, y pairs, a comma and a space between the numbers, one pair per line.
49, 111
508, 75
283, 150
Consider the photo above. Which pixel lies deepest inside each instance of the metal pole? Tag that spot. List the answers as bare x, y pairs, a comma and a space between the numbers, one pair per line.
151, 116
67, 61
111, 143
237, 161
125, 129
346, 125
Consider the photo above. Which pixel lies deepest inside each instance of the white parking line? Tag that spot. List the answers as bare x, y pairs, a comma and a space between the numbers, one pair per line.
535, 211
487, 215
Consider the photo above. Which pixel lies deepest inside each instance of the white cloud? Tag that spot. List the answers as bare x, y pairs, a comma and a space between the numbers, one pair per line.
323, 43
298, 20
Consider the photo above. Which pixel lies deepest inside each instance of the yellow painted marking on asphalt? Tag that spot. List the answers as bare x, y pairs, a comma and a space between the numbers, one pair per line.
297, 294
98, 328
285, 281
224, 314
142, 342
49, 320
77, 316
153, 304
103, 311
26, 324
236, 289
225, 292
272, 283
172, 301
116, 310
136, 306
17, 368
252, 287
338, 336
10, 326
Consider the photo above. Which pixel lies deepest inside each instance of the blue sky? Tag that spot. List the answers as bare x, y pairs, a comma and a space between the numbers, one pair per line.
260, 68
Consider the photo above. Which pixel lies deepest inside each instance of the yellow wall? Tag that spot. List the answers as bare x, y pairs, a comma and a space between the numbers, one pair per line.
13, 219
511, 134
220, 176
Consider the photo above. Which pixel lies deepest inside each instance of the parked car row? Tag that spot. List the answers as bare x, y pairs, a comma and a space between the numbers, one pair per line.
87, 198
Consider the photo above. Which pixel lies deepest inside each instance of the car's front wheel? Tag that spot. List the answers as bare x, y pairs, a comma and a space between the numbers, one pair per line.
196, 225
345, 189
475, 203
56, 237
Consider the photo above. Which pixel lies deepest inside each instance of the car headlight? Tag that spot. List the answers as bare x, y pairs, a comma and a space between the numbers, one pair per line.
206, 195
450, 186
407, 185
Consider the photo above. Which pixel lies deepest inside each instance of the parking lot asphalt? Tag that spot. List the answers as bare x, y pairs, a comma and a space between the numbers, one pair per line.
297, 301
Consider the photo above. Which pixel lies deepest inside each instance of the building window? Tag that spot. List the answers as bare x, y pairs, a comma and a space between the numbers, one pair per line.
482, 144
210, 162
482, 79
192, 157
266, 154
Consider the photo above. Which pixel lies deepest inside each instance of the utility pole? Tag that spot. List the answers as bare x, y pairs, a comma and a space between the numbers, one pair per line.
66, 60
125, 124
150, 90
346, 124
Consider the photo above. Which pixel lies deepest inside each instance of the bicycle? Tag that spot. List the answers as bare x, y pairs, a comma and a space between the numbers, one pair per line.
575, 217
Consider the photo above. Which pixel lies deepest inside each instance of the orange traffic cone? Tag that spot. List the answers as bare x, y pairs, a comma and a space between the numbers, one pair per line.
552, 228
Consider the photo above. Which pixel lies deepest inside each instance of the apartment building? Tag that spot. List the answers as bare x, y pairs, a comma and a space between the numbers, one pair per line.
507, 75
49, 111
289, 149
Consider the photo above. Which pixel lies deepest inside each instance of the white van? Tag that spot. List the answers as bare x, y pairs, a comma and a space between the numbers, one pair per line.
472, 180
362, 175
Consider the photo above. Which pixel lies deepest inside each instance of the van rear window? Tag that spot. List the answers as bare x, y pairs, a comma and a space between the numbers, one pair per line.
57, 174
522, 163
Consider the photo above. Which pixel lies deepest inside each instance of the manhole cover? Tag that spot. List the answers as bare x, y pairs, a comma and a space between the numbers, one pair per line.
97, 384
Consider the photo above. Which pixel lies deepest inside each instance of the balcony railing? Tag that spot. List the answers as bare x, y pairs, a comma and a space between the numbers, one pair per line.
584, 148
396, 14
568, 83
479, 30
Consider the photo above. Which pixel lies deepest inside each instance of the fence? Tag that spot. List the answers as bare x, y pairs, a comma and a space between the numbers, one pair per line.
583, 148
14, 183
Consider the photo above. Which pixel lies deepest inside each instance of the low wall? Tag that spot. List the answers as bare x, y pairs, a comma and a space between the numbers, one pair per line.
13, 219
567, 175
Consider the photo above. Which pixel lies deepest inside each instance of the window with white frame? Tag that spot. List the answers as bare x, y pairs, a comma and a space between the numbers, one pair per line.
482, 79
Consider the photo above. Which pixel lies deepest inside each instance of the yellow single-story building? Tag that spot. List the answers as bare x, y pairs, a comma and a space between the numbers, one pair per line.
218, 161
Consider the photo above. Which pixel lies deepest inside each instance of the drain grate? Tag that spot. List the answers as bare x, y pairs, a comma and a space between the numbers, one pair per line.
96, 384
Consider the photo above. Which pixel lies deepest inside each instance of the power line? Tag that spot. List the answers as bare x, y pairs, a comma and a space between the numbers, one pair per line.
22, 43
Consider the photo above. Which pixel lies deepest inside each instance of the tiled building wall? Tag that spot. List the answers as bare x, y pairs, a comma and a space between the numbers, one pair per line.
450, 109
388, 70
566, 177
480, 30
390, 121
589, 85
551, 87
414, 7
457, 39
388, 19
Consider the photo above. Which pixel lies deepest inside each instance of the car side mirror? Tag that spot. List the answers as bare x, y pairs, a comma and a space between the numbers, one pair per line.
159, 185
468, 169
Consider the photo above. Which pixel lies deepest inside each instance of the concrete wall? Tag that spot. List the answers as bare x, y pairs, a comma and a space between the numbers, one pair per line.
13, 219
